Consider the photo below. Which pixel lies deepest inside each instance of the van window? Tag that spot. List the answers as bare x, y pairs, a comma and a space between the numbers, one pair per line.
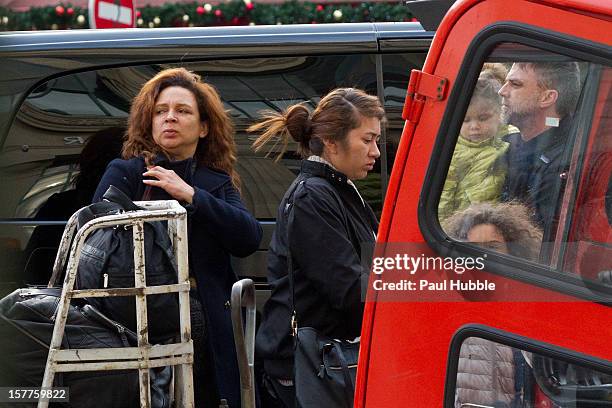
69, 128
492, 374
531, 161
58, 119
396, 70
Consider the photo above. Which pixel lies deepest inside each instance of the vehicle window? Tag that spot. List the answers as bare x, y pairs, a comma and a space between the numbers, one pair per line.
396, 73
69, 128
491, 374
247, 90
58, 119
589, 253
532, 160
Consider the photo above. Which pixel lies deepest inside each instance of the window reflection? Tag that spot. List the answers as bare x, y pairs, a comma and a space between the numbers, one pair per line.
77, 95
534, 137
78, 105
491, 374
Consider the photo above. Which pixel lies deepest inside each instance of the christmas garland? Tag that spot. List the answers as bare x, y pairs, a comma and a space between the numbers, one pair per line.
234, 12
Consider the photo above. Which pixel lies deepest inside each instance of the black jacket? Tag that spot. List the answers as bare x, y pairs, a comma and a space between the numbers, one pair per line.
327, 223
535, 172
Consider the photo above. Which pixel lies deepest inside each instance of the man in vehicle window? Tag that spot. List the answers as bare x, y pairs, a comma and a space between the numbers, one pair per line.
539, 98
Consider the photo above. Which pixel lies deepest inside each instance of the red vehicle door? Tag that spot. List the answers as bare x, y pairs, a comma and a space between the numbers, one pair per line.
534, 166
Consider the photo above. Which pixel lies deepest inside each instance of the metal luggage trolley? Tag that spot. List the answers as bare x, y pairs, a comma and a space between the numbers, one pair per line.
145, 356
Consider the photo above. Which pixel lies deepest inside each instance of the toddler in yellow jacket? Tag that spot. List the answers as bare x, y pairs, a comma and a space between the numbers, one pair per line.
478, 168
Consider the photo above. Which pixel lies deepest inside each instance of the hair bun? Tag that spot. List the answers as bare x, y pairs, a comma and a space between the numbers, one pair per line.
299, 125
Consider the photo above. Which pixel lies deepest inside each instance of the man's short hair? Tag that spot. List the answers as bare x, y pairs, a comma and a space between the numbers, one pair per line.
564, 77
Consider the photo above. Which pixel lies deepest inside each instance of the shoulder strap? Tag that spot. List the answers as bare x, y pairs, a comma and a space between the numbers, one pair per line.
288, 213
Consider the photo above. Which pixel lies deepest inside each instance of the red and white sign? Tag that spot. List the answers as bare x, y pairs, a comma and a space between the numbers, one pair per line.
112, 13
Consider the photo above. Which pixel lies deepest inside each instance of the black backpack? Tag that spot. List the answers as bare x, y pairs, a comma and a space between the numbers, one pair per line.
107, 261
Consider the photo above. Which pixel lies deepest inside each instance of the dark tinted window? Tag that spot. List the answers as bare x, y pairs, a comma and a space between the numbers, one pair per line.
396, 73
58, 118
81, 117
274, 84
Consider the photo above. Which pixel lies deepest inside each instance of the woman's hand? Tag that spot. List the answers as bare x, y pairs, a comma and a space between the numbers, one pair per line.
171, 182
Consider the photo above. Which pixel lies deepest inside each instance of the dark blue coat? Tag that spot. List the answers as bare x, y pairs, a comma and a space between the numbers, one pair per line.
219, 226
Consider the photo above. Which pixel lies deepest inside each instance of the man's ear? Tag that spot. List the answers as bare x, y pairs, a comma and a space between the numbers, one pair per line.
548, 98
204, 130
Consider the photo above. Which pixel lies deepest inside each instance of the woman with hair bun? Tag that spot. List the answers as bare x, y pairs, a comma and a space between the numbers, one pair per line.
180, 145
321, 224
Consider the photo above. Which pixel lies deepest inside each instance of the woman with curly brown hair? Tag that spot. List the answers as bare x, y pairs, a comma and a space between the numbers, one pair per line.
504, 227
180, 146
487, 371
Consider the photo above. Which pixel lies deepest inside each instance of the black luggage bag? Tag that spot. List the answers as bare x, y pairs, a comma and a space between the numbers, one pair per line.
27, 317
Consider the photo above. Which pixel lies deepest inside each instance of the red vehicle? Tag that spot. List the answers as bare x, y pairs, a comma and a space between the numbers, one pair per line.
552, 312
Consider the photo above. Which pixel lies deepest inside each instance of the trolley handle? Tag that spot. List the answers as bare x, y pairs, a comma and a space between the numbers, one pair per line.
243, 296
